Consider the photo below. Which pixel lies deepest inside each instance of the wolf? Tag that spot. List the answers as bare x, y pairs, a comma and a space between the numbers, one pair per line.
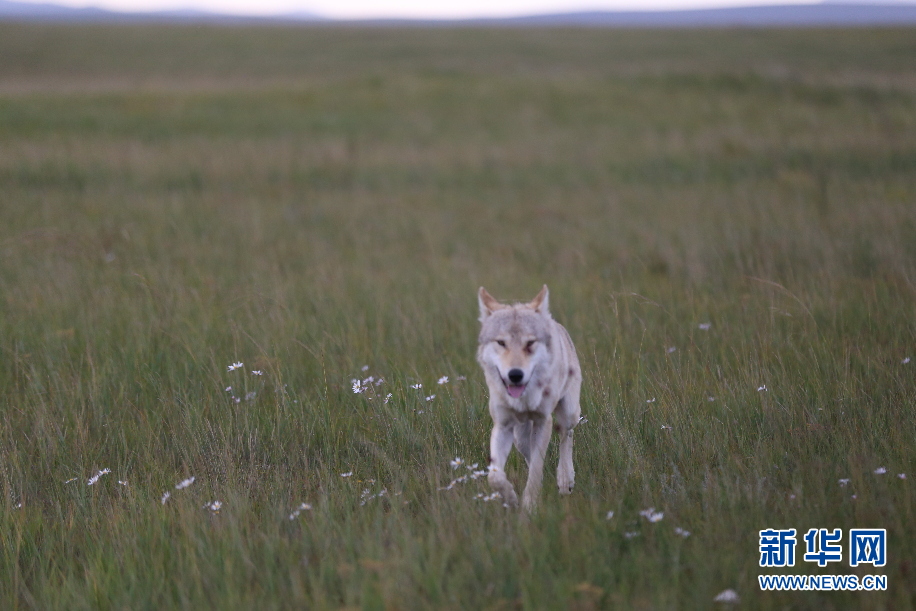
534, 379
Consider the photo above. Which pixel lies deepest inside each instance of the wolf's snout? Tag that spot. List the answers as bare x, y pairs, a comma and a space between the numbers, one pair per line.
514, 386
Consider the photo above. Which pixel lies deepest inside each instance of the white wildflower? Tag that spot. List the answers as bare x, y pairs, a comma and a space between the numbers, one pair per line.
901, 475
443, 380
367, 495
431, 397
95, 478
710, 398
704, 326
357, 386
214, 506
844, 482
460, 378
680, 531
652, 515
72, 479
671, 350
609, 515
416, 386
387, 398
880, 471
652, 400
235, 366
257, 372
906, 360
122, 482
165, 496
457, 462
299, 509
726, 596
347, 474
761, 389
665, 427
456, 481
630, 535
364, 368
228, 389
184, 483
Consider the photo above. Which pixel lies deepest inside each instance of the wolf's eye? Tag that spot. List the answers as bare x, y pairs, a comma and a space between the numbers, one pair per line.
501, 343
530, 344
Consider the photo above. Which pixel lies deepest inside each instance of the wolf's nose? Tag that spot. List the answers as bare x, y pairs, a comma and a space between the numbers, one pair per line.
516, 375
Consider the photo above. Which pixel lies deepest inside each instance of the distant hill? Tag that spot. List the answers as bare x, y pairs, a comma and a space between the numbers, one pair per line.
825, 14
27, 11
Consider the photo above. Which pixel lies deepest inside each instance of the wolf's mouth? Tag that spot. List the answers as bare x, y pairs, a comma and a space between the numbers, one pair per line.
515, 391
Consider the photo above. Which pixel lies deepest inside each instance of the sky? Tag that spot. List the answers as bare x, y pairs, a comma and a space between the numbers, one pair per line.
418, 9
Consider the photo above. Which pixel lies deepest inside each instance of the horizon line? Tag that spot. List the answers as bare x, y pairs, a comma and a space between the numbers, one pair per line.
189, 10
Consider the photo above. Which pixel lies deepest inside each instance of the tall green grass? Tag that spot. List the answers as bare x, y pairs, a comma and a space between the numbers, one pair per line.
312, 201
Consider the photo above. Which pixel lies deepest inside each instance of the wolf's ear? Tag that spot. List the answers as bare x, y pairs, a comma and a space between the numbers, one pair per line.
488, 305
541, 303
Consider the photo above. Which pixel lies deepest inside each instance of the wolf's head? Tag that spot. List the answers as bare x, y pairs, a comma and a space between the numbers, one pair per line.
514, 339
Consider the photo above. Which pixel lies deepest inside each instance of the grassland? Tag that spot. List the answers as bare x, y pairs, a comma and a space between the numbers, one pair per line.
312, 201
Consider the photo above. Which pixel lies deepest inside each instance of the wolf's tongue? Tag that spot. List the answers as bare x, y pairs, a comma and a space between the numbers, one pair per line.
515, 391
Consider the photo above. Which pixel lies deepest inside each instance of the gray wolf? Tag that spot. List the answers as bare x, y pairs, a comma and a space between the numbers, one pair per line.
534, 379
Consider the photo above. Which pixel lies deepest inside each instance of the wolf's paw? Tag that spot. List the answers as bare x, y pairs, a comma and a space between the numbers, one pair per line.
511, 498
500, 484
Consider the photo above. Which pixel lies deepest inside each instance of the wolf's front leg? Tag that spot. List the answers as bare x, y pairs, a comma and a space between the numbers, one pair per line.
500, 445
567, 417
540, 438
566, 475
